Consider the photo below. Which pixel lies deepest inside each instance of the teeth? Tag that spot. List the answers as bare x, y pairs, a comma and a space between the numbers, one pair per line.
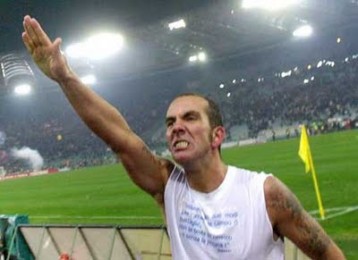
181, 144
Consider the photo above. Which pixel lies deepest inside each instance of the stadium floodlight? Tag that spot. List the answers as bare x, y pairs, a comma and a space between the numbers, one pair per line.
193, 58
89, 79
285, 74
202, 56
104, 45
177, 25
75, 50
303, 31
22, 89
271, 5
99, 46
330, 63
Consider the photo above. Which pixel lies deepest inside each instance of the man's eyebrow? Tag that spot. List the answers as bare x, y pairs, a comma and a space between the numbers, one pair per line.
191, 113
169, 118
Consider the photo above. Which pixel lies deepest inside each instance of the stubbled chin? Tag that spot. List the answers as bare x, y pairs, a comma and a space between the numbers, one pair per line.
180, 156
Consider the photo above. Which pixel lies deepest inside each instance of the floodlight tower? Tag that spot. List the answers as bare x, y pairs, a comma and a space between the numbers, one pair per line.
17, 75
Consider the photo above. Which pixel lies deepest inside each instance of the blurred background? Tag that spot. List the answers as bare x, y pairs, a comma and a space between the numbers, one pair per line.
270, 65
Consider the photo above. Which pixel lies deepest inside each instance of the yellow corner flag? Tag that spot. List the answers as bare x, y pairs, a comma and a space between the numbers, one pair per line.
305, 154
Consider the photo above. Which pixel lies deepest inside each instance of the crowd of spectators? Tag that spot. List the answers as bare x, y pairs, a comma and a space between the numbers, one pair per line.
327, 96
324, 96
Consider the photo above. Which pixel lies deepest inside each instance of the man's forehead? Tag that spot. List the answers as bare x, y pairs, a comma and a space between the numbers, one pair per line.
184, 104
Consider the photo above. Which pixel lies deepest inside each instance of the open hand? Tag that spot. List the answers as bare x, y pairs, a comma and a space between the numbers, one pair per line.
45, 53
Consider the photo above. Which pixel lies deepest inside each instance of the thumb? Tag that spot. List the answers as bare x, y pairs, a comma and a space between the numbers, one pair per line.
60, 68
57, 44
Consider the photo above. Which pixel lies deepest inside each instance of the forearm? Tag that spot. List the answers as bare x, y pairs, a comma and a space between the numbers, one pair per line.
100, 116
333, 253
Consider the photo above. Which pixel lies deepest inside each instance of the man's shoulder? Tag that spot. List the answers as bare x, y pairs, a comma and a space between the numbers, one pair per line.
273, 186
248, 173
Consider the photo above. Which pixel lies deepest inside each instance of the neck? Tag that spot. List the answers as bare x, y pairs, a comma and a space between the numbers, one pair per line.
207, 175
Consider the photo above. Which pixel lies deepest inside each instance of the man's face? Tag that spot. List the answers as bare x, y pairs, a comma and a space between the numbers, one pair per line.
188, 129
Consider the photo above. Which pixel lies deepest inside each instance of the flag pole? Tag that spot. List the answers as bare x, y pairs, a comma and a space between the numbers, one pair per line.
306, 156
318, 194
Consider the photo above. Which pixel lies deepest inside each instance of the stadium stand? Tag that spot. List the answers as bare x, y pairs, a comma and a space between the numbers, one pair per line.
326, 101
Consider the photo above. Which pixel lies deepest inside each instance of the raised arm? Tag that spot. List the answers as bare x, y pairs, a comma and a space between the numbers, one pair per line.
147, 170
290, 220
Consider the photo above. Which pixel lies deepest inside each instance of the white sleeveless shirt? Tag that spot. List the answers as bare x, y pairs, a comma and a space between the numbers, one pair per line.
230, 222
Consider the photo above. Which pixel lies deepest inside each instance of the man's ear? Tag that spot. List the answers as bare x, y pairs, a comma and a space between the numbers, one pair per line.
218, 136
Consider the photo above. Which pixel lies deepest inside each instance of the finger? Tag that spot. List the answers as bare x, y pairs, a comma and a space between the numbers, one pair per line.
40, 33
35, 32
24, 24
30, 31
28, 43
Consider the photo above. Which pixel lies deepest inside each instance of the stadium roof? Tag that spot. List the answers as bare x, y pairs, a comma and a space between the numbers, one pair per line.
220, 28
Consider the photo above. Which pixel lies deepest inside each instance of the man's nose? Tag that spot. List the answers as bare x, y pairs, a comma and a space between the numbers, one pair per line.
178, 127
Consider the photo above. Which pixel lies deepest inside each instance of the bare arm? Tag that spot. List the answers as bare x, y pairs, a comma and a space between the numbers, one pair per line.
290, 220
147, 170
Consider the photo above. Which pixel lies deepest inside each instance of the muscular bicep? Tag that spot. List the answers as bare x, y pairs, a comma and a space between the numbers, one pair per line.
290, 220
148, 171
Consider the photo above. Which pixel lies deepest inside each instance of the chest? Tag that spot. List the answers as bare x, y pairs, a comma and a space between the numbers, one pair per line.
224, 225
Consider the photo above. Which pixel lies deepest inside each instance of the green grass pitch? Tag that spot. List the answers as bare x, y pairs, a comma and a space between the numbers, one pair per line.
105, 195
